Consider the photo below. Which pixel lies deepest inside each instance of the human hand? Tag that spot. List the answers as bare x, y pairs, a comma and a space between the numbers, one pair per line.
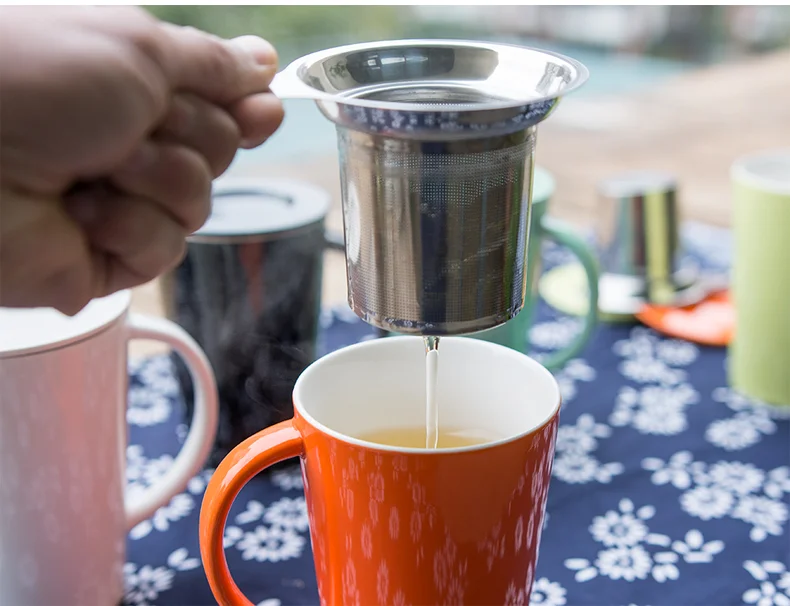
112, 126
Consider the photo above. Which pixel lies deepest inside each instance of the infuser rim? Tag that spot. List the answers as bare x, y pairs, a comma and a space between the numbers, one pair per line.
298, 68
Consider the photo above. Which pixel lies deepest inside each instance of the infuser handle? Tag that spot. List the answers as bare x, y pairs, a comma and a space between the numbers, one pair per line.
287, 84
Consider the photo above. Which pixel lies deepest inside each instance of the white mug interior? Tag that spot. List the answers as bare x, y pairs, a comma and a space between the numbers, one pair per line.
380, 384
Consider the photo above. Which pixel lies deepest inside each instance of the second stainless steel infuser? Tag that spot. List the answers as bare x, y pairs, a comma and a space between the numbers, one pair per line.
436, 141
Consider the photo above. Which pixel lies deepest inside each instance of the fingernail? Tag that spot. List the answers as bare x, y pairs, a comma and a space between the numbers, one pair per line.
249, 144
263, 52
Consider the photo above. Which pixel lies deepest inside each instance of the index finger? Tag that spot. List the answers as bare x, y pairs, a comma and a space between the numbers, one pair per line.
220, 71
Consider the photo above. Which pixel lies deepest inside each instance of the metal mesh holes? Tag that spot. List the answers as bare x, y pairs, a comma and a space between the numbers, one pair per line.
436, 232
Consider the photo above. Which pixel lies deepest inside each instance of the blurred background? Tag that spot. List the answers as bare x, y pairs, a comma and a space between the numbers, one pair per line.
685, 89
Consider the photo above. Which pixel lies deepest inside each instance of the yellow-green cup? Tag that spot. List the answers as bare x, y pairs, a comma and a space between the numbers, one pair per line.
759, 355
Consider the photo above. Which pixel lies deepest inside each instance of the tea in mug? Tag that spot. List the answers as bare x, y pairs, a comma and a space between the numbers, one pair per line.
414, 437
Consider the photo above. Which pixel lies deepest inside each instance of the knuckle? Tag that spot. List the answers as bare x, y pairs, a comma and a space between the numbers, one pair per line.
194, 185
165, 253
144, 58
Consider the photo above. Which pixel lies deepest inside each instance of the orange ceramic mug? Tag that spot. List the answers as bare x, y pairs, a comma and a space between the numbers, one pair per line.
395, 525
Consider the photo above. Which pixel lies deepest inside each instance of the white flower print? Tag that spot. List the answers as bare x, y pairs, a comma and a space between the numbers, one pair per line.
735, 433
288, 479
638, 345
706, 502
233, 534
382, 582
579, 468
147, 407
142, 471
270, 544
675, 472
770, 592
624, 528
581, 437
662, 419
655, 409
288, 513
179, 507
752, 420
765, 514
738, 403
143, 586
626, 563
665, 568
579, 370
649, 359
738, 478
158, 375
399, 599
179, 560
574, 370
695, 550
252, 513
350, 589
198, 483
547, 593
574, 463
515, 596
778, 482
648, 370
633, 552
556, 334
737, 490
675, 352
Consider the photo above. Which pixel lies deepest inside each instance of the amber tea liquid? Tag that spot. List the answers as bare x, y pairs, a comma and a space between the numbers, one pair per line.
414, 437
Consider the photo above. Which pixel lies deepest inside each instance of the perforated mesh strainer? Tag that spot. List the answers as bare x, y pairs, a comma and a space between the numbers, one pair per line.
436, 142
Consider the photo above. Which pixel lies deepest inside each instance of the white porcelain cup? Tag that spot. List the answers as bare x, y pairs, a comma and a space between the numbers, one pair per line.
63, 385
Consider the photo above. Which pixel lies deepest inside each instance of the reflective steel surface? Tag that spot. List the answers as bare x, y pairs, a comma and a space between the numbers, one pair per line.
432, 88
639, 244
436, 142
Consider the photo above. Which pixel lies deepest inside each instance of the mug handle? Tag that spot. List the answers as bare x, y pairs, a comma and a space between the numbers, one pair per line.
565, 236
203, 430
256, 453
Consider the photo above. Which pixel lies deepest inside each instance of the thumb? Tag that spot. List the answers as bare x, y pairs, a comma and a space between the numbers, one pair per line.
220, 71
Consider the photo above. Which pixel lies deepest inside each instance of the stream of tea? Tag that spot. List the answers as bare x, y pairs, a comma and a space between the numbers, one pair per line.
431, 405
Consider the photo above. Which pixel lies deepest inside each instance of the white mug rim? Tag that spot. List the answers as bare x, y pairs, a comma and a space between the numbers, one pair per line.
373, 446
102, 313
745, 171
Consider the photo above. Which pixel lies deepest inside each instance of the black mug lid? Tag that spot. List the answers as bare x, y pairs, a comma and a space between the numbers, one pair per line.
251, 207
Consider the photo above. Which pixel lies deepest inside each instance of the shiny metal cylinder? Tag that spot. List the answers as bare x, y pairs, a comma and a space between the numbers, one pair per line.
436, 232
249, 292
638, 239
436, 141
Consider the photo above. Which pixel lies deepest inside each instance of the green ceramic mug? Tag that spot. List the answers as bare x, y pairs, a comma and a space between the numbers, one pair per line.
515, 333
759, 355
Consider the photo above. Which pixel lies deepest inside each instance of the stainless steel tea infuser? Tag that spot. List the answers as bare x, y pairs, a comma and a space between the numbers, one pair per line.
436, 142
641, 254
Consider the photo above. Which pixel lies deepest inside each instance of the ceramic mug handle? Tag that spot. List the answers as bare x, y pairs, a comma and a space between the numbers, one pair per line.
265, 448
565, 236
202, 432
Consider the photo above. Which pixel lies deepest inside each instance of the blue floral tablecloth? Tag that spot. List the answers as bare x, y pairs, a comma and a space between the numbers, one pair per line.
668, 489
